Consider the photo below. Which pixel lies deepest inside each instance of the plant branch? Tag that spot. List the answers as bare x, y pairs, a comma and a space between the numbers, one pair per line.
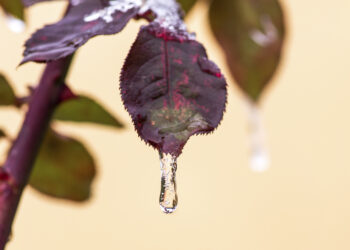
17, 168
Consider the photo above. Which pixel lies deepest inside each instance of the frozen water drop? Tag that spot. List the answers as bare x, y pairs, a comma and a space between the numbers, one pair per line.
15, 25
259, 158
259, 161
168, 195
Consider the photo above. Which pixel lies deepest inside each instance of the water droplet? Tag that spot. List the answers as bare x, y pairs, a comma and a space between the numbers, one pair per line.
15, 25
168, 195
259, 158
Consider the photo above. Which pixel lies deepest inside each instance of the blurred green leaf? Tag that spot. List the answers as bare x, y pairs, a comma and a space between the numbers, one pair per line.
251, 33
84, 109
64, 168
7, 96
187, 4
13, 7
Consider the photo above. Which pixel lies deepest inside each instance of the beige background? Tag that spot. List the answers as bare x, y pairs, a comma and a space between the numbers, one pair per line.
301, 203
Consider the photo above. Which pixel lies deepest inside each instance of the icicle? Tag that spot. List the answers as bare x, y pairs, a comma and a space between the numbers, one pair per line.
168, 195
15, 25
259, 158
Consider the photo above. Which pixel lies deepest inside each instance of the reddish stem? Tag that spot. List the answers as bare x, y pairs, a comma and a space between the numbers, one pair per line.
24, 150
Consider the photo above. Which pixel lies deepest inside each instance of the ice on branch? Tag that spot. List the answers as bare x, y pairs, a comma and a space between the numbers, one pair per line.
116, 5
168, 15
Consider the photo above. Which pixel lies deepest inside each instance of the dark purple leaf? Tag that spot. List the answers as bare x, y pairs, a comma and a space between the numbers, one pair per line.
63, 169
251, 33
171, 90
83, 21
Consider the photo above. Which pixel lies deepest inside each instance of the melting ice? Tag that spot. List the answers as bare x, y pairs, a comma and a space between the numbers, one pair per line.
168, 195
259, 158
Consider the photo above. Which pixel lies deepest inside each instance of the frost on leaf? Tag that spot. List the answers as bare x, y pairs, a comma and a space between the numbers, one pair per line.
168, 15
84, 20
171, 89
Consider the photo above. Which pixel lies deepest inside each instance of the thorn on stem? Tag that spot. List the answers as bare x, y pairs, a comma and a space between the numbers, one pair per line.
66, 94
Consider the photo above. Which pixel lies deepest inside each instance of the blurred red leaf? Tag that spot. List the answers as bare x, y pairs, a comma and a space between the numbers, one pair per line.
251, 33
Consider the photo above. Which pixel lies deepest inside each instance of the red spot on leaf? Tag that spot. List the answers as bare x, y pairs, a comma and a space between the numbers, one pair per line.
178, 61
201, 107
88, 26
194, 58
209, 67
165, 104
179, 101
184, 81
